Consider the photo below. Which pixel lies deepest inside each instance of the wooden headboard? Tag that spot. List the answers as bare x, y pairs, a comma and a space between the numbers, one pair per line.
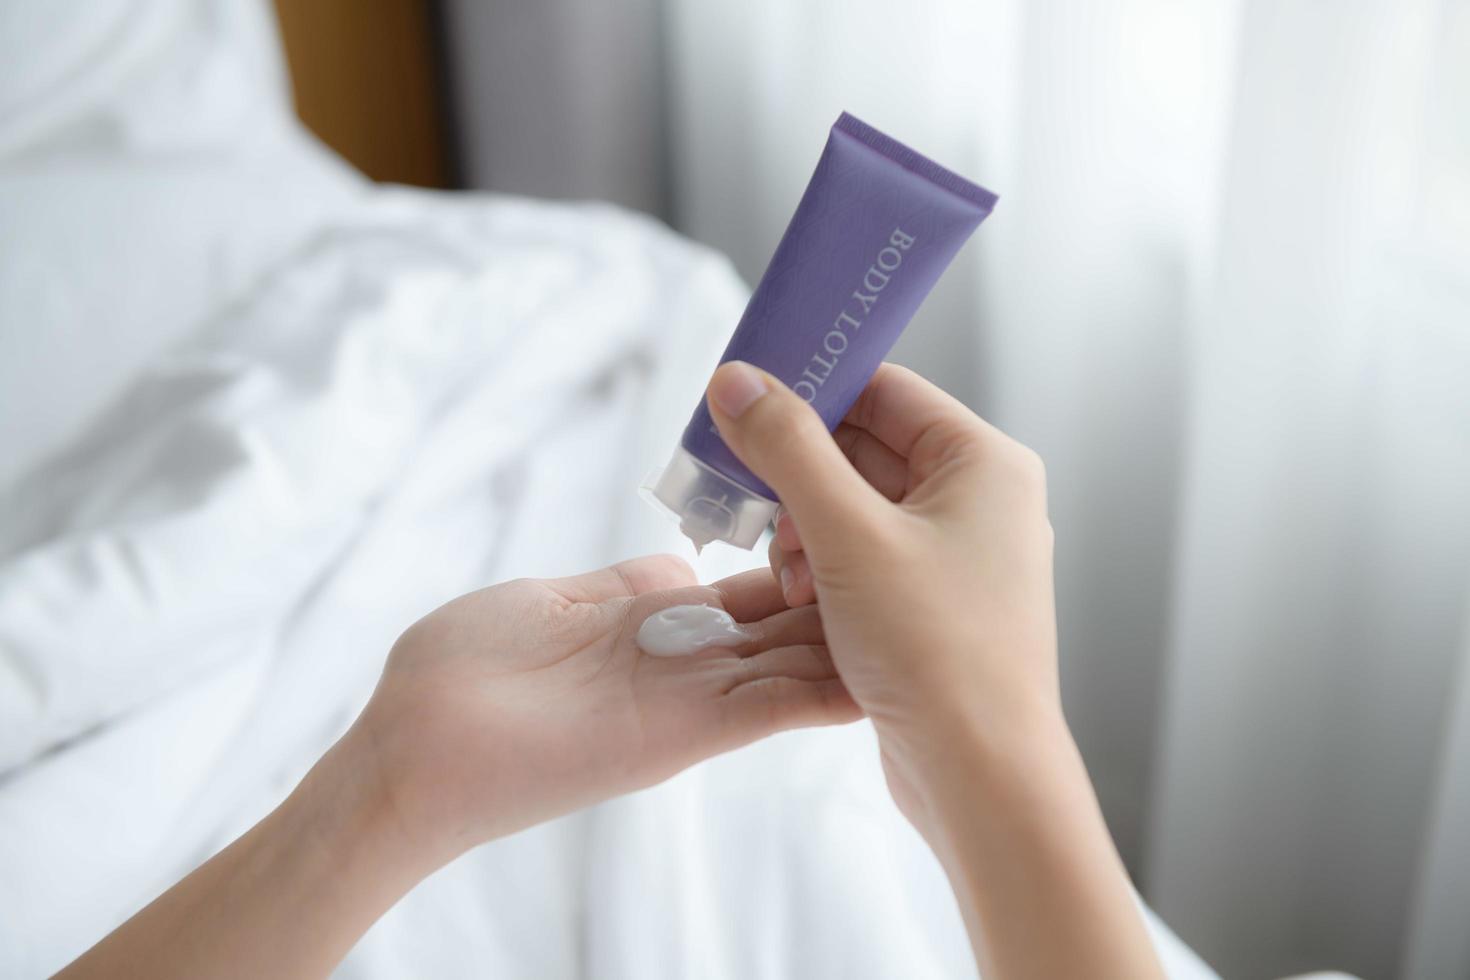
366, 80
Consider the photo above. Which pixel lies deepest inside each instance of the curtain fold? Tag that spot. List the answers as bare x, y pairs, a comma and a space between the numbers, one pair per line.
1438, 944
1322, 551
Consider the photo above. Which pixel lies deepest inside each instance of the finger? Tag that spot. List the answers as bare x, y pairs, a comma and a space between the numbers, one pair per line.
793, 572
784, 442
776, 704
789, 627
787, 535
636, 576
790, 565
798, 585
749, 596
803, 662
777, 557
885, 470
900, 409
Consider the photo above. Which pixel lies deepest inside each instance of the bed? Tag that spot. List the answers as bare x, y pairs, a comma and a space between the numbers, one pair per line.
258, 414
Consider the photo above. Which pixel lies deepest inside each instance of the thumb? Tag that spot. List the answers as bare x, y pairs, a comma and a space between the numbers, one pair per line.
783, 441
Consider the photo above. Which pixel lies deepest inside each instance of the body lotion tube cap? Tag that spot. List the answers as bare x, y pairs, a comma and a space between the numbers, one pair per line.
709, 505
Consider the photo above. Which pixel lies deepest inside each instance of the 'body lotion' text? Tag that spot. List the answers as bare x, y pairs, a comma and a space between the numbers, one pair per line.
860, 303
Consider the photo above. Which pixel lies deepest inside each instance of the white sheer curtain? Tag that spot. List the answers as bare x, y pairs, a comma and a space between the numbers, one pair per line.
1227, 295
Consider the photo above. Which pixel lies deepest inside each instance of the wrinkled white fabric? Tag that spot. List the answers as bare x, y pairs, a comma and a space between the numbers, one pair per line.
235, 474
199, 593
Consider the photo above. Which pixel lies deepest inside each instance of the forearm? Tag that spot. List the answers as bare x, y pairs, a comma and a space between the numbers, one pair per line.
287, 899
1018, 829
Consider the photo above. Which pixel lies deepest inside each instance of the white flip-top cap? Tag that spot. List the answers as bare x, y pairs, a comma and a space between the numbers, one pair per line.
709, 505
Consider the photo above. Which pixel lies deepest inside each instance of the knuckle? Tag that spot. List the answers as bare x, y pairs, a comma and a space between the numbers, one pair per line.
960, 436
418, 635
863, 408
1033, 466
673, 566
950, 441
1025, 466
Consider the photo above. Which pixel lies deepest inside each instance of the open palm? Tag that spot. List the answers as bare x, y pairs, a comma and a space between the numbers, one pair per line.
526, 700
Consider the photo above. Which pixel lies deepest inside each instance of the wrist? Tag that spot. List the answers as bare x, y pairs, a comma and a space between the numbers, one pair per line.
961, 739
1013, 819
353, 810
1017, 756
1020, 775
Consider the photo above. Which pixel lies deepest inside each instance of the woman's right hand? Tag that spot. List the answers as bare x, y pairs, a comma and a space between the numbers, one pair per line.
922, 532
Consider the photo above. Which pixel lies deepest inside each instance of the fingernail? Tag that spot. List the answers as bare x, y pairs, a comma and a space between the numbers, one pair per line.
786, 535
787, 581
735, 387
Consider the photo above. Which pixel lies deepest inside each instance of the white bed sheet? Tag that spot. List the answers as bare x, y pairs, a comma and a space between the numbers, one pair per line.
296, 412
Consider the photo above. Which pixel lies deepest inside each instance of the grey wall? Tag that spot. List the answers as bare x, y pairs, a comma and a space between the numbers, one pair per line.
559, 98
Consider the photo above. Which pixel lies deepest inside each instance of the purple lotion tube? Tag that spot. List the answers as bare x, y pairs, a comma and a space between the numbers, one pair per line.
877, 226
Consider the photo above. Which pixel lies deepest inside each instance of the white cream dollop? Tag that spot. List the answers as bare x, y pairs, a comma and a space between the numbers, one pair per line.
680, 630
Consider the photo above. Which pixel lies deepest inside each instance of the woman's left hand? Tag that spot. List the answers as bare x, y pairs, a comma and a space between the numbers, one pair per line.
506, 707
527, 700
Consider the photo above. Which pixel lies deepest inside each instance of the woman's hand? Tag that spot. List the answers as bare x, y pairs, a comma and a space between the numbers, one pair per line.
527, 700
503, 708
921, 532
